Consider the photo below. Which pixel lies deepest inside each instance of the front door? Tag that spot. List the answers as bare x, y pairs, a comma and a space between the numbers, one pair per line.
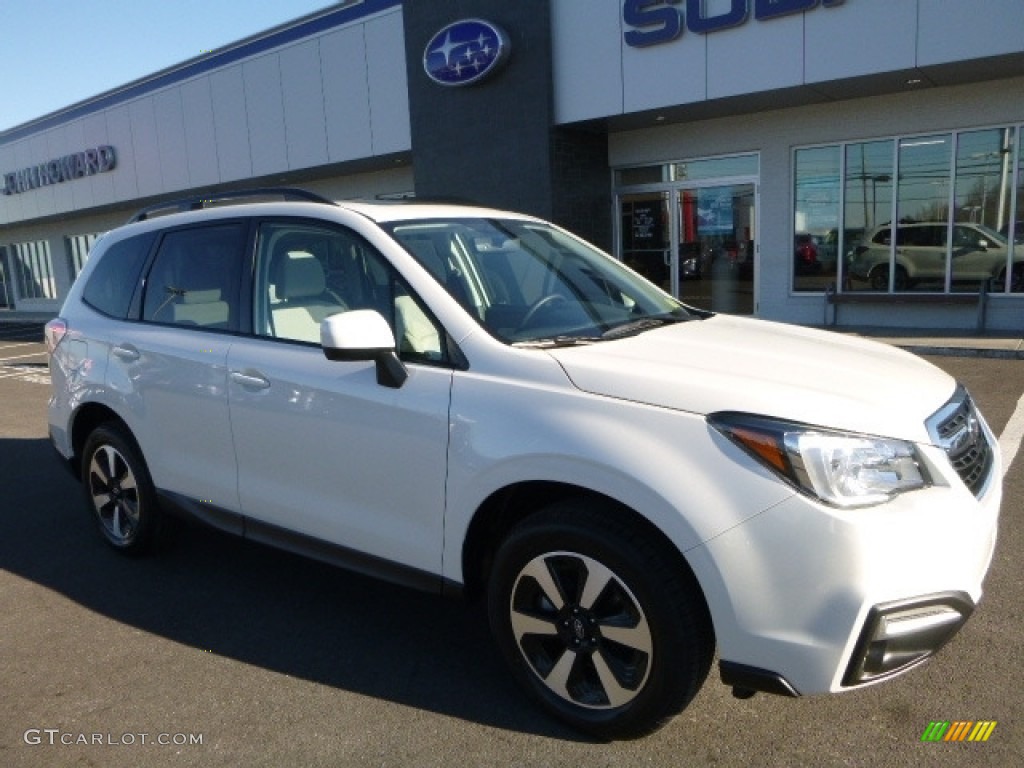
696, 240
716, 247
647, 235
323, 449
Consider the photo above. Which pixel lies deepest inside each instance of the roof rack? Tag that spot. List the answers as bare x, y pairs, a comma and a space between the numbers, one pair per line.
259, 194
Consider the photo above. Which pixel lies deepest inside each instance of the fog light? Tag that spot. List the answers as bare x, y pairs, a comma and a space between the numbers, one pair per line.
898, 636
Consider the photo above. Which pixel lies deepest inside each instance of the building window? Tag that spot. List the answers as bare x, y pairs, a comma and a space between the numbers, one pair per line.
78, 247
951, 196
816, 219
6, 299
33, 270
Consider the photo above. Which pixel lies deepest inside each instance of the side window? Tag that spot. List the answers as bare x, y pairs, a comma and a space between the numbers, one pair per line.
306, 272
115, 277
195, 278
965, 237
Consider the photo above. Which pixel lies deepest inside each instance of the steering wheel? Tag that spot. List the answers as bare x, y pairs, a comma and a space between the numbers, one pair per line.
539, 306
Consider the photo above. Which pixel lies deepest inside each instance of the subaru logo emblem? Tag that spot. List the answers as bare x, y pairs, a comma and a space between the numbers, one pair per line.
465, 52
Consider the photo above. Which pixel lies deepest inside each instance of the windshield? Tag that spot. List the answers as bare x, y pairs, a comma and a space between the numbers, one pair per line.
993, 236
528, 282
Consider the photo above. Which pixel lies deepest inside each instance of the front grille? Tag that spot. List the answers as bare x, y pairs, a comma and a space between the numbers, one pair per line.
957, 429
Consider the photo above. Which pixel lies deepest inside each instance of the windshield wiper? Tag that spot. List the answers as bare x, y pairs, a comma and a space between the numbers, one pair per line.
644, 324
551, 342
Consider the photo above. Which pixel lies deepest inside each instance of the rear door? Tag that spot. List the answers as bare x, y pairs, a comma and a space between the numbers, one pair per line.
170, 369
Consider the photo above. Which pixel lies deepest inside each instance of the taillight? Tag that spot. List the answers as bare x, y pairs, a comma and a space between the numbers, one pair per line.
54, 331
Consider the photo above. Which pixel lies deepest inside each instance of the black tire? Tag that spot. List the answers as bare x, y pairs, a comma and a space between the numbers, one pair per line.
563, 583
1016, 280
119, 491
879, 278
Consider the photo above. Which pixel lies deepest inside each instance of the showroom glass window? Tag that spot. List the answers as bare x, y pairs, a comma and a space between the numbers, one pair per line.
952, 196
816, 218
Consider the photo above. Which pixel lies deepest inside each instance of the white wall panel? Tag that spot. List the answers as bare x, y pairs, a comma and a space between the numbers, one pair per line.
965, 30
170, 132
664, 75
64, 140
8, 164
120, 132
265, 109
230, 124
587, 56
200, 132
145, 146
39, 153
389, 89
94, 134
756, 57
860, 37
303, 93
346, 94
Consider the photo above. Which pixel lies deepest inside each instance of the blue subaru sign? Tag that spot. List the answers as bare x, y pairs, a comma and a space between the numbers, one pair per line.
465, 52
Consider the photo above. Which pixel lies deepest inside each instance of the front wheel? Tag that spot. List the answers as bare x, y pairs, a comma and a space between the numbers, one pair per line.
598, 622
118, 490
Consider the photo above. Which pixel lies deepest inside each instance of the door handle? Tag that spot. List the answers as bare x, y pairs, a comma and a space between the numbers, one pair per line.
126, 352
250, 379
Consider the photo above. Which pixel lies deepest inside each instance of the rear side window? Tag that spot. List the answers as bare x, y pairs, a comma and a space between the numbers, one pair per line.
195, 277
116, 275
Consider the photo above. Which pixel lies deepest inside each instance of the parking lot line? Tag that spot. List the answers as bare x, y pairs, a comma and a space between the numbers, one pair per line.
19, 357
1013, 433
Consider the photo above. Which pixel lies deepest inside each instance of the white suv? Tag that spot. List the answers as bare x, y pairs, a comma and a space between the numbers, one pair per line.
979, 255
476, 401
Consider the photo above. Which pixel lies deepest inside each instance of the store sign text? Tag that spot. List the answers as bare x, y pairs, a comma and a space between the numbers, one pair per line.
61, 169
659, 21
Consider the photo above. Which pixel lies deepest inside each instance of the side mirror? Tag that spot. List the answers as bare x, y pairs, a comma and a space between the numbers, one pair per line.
983, 245
363, 334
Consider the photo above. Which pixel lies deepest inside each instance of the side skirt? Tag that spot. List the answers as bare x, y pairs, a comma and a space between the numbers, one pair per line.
307, 546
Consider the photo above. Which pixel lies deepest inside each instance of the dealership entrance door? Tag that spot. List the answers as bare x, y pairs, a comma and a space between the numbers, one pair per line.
694, 237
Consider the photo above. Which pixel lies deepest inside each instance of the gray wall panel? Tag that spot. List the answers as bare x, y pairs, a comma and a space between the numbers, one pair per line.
95, 134
264, 107
303, 94
230, 124
200, 132
170, 133
964, 30
145, 147
346, 94
592, 55
389, 97
756, 57
860, 38
119, 133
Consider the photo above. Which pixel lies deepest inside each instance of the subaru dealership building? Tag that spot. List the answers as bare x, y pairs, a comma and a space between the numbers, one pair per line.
858, 162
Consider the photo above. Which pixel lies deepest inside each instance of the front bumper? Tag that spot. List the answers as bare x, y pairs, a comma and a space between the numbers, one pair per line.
807, 599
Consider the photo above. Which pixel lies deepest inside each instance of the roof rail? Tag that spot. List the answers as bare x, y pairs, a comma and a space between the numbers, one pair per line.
288, 194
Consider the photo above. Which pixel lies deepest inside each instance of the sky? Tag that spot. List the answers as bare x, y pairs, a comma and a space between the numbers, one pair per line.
59, 52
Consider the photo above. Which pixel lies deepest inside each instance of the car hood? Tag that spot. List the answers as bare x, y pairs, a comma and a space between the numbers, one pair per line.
734, 364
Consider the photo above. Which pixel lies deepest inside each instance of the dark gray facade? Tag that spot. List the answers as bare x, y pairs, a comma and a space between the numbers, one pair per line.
494, 142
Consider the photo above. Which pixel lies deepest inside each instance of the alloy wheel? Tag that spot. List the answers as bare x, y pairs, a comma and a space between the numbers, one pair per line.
581, 630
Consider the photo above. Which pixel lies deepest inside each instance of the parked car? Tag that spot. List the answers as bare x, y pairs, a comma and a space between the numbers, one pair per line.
979, 255
477, 402
805, 255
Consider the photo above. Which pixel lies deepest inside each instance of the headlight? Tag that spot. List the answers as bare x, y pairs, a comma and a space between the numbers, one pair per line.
838, 468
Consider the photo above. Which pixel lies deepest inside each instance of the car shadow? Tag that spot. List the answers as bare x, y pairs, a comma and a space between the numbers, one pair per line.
258, 605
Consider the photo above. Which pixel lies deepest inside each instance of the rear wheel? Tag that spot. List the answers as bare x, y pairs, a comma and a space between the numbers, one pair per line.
118, 490
879, 278
598, 622
1016, 279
